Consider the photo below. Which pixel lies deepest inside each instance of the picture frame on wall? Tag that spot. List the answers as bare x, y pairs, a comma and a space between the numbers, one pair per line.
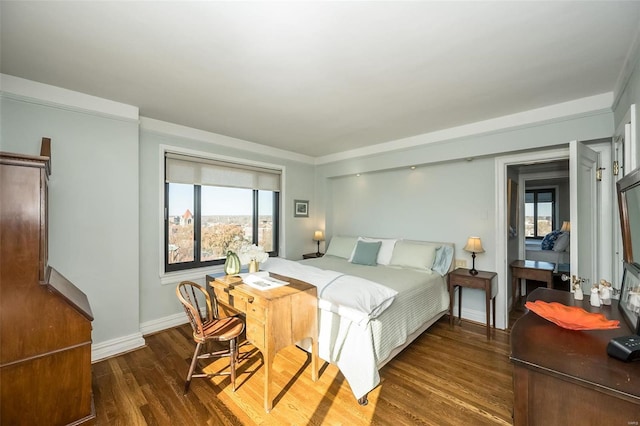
300, 208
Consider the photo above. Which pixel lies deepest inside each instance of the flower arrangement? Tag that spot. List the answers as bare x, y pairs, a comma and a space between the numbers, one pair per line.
252, 253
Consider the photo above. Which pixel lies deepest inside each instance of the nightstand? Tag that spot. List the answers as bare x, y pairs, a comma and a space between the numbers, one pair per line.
312, 255
483, 280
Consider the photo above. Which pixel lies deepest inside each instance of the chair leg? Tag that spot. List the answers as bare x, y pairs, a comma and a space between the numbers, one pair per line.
192, 367
232, 362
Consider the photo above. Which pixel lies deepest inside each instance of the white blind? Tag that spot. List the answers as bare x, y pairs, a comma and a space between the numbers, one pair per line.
180, 168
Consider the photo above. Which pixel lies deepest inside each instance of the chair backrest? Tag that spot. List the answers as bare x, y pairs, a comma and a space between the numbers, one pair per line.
194, 299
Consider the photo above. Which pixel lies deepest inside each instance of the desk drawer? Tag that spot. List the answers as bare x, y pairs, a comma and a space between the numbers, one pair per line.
469, 281
534, 274
255, 332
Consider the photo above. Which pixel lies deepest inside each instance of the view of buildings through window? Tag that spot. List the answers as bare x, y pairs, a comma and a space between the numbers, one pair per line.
216, 219
539, 212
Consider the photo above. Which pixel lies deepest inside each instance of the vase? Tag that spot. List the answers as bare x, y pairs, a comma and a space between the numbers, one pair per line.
253, 266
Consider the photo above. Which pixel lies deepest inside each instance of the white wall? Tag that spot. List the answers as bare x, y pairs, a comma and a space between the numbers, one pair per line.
158, 303
447, 198
630, 95
93, 198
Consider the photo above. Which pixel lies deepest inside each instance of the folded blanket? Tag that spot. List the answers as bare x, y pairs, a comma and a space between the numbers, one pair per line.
353, 297
571, 317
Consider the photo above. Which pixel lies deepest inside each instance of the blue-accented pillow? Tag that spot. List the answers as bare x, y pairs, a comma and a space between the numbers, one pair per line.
442, 262
366, 253
549, 240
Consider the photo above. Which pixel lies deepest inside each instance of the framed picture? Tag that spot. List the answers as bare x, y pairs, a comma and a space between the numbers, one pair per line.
629, 304
300, 208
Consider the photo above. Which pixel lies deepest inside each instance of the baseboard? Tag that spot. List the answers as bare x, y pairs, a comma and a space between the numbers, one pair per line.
124, 344
164, 323
117, 346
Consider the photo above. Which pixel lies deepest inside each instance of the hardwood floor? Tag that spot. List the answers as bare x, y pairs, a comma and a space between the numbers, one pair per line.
448, 376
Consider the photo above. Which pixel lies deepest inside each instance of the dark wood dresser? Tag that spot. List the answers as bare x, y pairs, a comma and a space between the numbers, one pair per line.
45, 320
565, 377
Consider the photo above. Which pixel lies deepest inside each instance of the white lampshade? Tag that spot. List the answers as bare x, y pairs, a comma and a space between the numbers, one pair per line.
318, 236
474, 245
566, 226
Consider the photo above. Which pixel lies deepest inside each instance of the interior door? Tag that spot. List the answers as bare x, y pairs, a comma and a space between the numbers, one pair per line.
583, 163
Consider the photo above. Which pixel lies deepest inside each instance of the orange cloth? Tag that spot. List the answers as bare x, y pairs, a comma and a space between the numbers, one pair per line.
571, 317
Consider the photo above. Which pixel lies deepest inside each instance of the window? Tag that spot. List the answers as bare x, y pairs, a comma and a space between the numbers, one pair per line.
214, 206
539, 212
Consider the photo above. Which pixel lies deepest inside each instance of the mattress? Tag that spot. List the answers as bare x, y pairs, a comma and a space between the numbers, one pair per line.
360, 350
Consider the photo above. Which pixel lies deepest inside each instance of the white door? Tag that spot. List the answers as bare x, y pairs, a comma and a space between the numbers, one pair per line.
583, 163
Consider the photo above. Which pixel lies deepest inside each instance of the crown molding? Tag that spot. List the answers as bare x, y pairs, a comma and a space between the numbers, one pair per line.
579, 107
166, 128
46, 94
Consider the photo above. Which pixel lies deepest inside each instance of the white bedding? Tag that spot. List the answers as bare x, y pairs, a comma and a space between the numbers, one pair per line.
555, 257
360, 342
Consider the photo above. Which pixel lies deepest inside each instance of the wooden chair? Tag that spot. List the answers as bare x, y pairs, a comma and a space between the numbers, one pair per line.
207, 327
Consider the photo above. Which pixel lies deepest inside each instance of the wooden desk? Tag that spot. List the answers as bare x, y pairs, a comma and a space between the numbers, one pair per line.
529, 270
564, 377
484, 281
275, 318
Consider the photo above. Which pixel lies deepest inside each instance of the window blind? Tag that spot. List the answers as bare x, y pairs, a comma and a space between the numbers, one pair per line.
180, 168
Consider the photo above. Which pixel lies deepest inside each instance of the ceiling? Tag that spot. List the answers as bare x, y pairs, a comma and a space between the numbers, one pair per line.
319, 78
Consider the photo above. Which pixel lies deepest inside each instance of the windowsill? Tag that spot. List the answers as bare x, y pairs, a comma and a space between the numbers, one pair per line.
170, 278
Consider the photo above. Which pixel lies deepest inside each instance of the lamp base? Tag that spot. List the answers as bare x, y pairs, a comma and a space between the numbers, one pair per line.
318, 252
473, 270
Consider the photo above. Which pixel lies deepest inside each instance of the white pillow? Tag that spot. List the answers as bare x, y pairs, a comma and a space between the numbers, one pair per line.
341, 247
562, 242
442, 261
413, 255
386, 249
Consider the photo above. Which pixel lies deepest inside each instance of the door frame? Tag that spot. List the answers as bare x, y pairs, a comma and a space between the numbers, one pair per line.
501, 235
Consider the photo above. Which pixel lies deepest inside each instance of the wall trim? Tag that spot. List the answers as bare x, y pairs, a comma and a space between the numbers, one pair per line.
588, 106
166, 128
117, 346
160, 324
45, 94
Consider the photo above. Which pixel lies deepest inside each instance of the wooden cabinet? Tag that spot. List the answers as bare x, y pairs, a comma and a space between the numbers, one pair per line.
275, 318
564, 377
45, 321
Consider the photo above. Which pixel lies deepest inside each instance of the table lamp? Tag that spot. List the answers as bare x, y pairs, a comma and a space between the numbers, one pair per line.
318, 236
566, 226
474, 245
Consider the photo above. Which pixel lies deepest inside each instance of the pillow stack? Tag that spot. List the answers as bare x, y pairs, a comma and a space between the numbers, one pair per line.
394, 252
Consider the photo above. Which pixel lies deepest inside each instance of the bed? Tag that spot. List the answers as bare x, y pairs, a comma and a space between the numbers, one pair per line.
357, 333
554, 248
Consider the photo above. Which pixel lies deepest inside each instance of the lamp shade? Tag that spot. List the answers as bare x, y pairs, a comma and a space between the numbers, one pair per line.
566, 226
474, 245
318, 236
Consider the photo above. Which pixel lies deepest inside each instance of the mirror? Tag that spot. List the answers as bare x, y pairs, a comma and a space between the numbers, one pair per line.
629, 206
629, 304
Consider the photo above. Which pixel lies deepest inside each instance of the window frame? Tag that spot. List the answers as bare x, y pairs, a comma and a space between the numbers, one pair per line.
192, 269
554, 208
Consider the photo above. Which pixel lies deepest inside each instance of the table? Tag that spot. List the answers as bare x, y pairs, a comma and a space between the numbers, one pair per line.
483, 280
529, 270
312, 255
275, 318
565, 377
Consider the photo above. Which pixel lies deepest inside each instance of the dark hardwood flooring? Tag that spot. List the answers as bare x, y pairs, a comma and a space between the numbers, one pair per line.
448, 376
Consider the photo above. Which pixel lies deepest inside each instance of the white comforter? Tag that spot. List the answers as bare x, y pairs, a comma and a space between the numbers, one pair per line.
357, 333
355, 298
